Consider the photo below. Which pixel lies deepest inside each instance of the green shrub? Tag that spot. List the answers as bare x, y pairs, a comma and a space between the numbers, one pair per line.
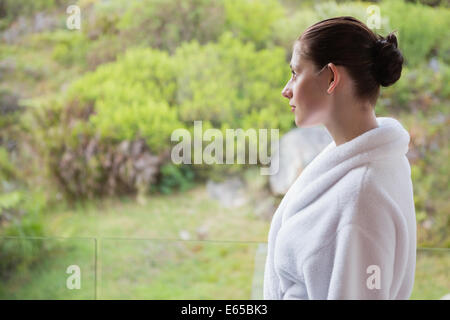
7, 170
69, 47
127, 99
105, 17
253, 21
175, 177
165, 24
148, 94
80, 133
429, 171
357, 9
240, 88
419, 88
422, 32
291, 26
12, 9
20, 221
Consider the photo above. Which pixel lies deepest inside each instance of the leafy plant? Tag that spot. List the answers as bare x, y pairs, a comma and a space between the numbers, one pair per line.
175, 177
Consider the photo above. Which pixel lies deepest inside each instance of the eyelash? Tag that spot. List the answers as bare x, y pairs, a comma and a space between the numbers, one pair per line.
293, 73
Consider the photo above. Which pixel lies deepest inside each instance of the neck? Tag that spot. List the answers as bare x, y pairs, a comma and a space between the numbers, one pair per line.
345, 126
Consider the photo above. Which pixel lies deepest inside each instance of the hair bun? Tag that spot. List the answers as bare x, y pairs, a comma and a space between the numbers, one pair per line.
388, 60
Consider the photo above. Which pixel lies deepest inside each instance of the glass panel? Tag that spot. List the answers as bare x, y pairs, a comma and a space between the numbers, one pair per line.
65, 268
47, 268
176, 269
258, 275
432, 280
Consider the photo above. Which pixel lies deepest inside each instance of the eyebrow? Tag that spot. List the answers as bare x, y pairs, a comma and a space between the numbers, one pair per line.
292, 67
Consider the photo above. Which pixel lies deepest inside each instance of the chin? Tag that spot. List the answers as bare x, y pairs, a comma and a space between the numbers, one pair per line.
305, 122
311, 118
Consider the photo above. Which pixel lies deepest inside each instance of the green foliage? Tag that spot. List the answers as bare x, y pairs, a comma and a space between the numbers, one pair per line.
236, 90
20, 218
7, 169
165, 24
12, 9
431, 187
140, 69
329, 9
430, 169
108, 15
417, 89
288, 29
148, 94
9, 113
129, 99
253, 21
239, 88
173, 177
10, 200
69, 47
422, 32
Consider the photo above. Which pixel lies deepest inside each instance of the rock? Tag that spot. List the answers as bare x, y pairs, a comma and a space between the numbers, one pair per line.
230, 193
427, 224
184, 235
137, 147
440, 118
202, 232
434, 64
8, 65
265, 208
297, 149
26, 25
44, 22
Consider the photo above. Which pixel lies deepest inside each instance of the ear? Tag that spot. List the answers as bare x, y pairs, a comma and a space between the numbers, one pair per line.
334, 78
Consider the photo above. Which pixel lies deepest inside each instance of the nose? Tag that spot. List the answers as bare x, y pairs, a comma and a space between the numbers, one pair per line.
287, 92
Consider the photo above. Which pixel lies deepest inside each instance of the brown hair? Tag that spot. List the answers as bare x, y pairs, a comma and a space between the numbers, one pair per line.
370, 59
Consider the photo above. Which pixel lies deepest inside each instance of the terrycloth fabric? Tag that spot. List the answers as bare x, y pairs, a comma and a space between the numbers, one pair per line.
346, 229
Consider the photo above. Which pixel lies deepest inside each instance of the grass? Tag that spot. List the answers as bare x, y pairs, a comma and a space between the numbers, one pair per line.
140, 254
432, 280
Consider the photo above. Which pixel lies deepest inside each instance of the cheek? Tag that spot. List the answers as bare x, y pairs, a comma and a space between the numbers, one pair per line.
308, 94
310, 102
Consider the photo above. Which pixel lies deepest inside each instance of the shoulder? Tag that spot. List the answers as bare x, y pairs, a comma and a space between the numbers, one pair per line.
365, 193
365, 207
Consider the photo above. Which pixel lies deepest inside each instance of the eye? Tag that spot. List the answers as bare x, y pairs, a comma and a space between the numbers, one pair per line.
293, 73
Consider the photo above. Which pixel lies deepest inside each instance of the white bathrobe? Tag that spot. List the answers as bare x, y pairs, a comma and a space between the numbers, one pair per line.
346, 229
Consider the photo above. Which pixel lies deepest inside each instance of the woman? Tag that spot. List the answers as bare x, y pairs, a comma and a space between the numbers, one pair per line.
346, 228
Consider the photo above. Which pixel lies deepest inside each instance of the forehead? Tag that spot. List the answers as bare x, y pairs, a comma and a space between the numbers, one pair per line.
296, 59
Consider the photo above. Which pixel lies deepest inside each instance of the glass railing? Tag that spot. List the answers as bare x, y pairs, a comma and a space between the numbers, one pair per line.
48, 268
121, 268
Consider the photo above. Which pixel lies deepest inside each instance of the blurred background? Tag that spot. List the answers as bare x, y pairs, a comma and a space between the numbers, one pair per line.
86, 116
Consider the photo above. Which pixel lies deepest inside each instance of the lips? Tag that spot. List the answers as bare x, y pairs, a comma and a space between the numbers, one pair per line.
292, 108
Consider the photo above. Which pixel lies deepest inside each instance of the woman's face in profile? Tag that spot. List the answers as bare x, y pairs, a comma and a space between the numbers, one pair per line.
306, 90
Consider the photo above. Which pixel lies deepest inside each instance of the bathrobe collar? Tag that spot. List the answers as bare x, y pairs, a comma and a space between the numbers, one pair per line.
389, 139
